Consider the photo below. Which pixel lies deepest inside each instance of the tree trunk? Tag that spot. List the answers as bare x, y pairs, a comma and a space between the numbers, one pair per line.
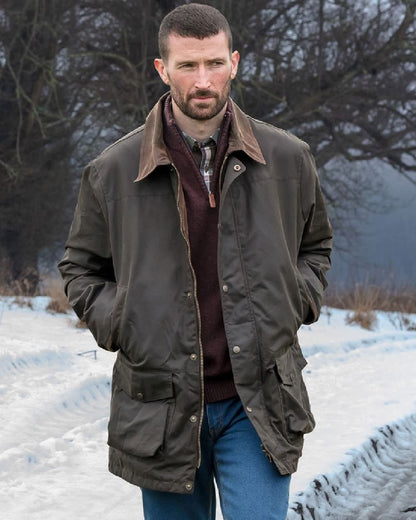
19, 268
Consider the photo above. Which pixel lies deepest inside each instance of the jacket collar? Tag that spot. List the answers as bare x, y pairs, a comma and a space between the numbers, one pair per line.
153, 152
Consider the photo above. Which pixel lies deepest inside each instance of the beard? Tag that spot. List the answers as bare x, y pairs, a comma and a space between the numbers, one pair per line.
202, 110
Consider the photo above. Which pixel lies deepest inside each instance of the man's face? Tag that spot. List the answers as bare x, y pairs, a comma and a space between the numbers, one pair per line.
199, 73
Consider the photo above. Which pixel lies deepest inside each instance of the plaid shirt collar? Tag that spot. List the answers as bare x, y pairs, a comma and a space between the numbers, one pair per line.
193, 142
154, 151
204, 153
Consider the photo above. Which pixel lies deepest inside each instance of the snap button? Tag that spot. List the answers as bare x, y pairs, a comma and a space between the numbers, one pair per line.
139, 396
225, 288
189, 295
236, 349
193, 418
237, 167
194, 357
188, 486
249, 409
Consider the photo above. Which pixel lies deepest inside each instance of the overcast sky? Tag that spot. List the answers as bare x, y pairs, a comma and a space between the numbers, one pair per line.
388, 244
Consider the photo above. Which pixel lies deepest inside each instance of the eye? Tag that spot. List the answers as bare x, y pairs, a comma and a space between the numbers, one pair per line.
217, 63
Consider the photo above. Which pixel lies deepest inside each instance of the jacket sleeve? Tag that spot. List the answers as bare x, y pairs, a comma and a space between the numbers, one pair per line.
316, 242
87, 267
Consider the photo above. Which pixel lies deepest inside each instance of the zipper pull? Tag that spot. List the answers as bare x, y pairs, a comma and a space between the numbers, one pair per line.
211, 198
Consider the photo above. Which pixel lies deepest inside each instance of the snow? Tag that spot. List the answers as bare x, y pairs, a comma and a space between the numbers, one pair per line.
358, 464
378, 482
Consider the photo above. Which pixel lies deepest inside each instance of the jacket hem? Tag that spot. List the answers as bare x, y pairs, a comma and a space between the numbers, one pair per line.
120, 470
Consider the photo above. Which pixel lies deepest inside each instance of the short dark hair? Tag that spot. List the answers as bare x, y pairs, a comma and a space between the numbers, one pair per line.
192, 21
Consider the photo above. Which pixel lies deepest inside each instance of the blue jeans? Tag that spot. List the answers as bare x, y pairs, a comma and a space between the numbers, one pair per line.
249, 486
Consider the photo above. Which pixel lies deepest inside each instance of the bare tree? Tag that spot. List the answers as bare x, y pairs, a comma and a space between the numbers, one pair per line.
76, 74
45, 111
119, 38
35, 134
339, 74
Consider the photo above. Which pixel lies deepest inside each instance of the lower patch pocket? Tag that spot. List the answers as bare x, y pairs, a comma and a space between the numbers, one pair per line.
298, 416
137, 427
140, 405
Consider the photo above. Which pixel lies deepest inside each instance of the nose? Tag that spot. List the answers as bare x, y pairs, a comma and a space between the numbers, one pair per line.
202, 80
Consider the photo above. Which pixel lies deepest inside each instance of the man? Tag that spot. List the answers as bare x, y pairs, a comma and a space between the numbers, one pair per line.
198, 247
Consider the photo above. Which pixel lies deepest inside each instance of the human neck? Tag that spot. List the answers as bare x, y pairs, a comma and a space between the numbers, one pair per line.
199, 130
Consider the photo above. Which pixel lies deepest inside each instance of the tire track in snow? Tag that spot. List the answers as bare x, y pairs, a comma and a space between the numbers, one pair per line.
54, 398
377, 483
16, 365
401, 340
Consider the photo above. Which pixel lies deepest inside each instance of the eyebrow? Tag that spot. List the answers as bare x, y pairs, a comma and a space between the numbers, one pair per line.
191, 61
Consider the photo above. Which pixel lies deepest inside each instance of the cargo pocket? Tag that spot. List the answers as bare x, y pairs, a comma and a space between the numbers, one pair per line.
297, 414
140, 405
286, 396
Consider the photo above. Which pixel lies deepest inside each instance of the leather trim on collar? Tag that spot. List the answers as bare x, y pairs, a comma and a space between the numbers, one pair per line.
153, 152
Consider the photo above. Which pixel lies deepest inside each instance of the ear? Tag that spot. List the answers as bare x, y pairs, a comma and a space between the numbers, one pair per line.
235, 58
160, 67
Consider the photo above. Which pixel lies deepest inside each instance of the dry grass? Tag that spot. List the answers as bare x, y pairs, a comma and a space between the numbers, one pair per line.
17, 289
371, 297
22, 290
362, 300
54, 289
9, 287
365, 319
80, 324
23, 301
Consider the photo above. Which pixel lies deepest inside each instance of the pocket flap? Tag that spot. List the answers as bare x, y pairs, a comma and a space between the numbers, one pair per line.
143, 385
137, 427
290, 364
286, 373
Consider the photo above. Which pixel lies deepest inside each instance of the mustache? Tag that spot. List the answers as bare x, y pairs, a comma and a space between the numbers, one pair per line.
201, 93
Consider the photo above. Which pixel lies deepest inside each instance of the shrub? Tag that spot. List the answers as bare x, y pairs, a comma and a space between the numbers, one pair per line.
80, 324
365, 319
362, 299
368, 296
54, 289
21, 288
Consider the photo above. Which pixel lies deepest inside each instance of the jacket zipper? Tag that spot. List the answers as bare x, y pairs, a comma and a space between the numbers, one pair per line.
201, 355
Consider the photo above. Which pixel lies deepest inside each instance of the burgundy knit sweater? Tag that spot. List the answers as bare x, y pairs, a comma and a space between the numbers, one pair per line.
203, 238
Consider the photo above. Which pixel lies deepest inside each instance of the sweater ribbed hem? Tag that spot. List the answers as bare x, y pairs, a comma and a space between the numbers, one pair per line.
217, 390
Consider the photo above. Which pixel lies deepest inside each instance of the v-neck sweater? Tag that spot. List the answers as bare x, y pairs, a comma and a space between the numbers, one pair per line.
202, 221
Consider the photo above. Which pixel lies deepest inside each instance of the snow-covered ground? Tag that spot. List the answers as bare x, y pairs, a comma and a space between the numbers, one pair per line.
358, 464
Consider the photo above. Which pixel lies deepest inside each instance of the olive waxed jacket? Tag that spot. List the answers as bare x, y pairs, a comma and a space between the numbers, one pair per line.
128, 274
